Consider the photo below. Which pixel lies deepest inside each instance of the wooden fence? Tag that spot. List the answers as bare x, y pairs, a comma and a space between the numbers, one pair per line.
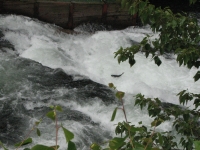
70, 14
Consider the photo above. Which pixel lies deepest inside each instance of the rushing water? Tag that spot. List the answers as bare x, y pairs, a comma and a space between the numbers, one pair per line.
41, 66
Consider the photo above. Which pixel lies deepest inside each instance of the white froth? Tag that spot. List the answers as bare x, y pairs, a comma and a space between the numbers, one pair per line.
92, 55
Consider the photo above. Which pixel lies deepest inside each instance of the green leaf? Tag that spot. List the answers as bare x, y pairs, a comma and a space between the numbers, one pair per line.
116, 143
51, 115
181, 93
95, 146
27, 149
174, 23
123, 3
58, 108
131, 61
111, 85
25, 142
38, 132
1, 144
135, 129
52, 107
186, 117
147, 54
68, 134
160, 138
193, 1
197, 76
197, 102
114, 114
153, 123
138, 148
142, 5
197, 145
157, 60
55, 146
71, 146
157, 122
37, 123
155, 148
41, 147
120, 94
147, 47
140, 122
132, 128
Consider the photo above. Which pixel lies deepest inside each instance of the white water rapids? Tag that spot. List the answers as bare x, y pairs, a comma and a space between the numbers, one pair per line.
91, 55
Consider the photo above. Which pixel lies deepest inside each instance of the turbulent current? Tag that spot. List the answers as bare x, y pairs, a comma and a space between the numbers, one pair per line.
40, 65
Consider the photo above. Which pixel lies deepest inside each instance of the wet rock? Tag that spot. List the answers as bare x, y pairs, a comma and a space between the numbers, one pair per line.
4, 44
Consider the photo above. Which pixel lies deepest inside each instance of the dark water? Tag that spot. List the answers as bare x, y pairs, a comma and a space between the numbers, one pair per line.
24, 81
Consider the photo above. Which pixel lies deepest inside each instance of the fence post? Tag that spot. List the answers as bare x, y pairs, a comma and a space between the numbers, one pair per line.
70, 23
1, 6
104, 13
36, 9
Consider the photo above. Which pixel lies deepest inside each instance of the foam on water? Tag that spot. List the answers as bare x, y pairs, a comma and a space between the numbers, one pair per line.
92, 56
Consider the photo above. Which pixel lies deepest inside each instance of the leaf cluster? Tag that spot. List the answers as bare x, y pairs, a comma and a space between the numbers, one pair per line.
178, 34
185, 120
53, 116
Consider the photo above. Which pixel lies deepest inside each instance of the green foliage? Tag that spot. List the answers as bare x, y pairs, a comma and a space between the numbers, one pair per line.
114, 114
185, 96
197, 145
116, 143
95, 146
1, 144
71, 146
185, 120
41, 147
178, 34
52, 115
68, 135
58, 108
25, 142
193, 1
38, 132
197, 76
120, 94
111, 85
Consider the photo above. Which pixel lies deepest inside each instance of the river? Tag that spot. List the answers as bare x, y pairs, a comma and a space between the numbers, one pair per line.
42, 66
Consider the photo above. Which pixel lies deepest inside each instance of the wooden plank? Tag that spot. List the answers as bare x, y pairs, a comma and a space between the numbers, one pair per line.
1, 6
83, 10
19, 7
118, 17
54, 12
71, 14
86, 19
115, 9
121, 21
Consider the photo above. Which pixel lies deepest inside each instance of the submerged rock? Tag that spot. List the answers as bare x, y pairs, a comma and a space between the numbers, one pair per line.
28, 88
4, 44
